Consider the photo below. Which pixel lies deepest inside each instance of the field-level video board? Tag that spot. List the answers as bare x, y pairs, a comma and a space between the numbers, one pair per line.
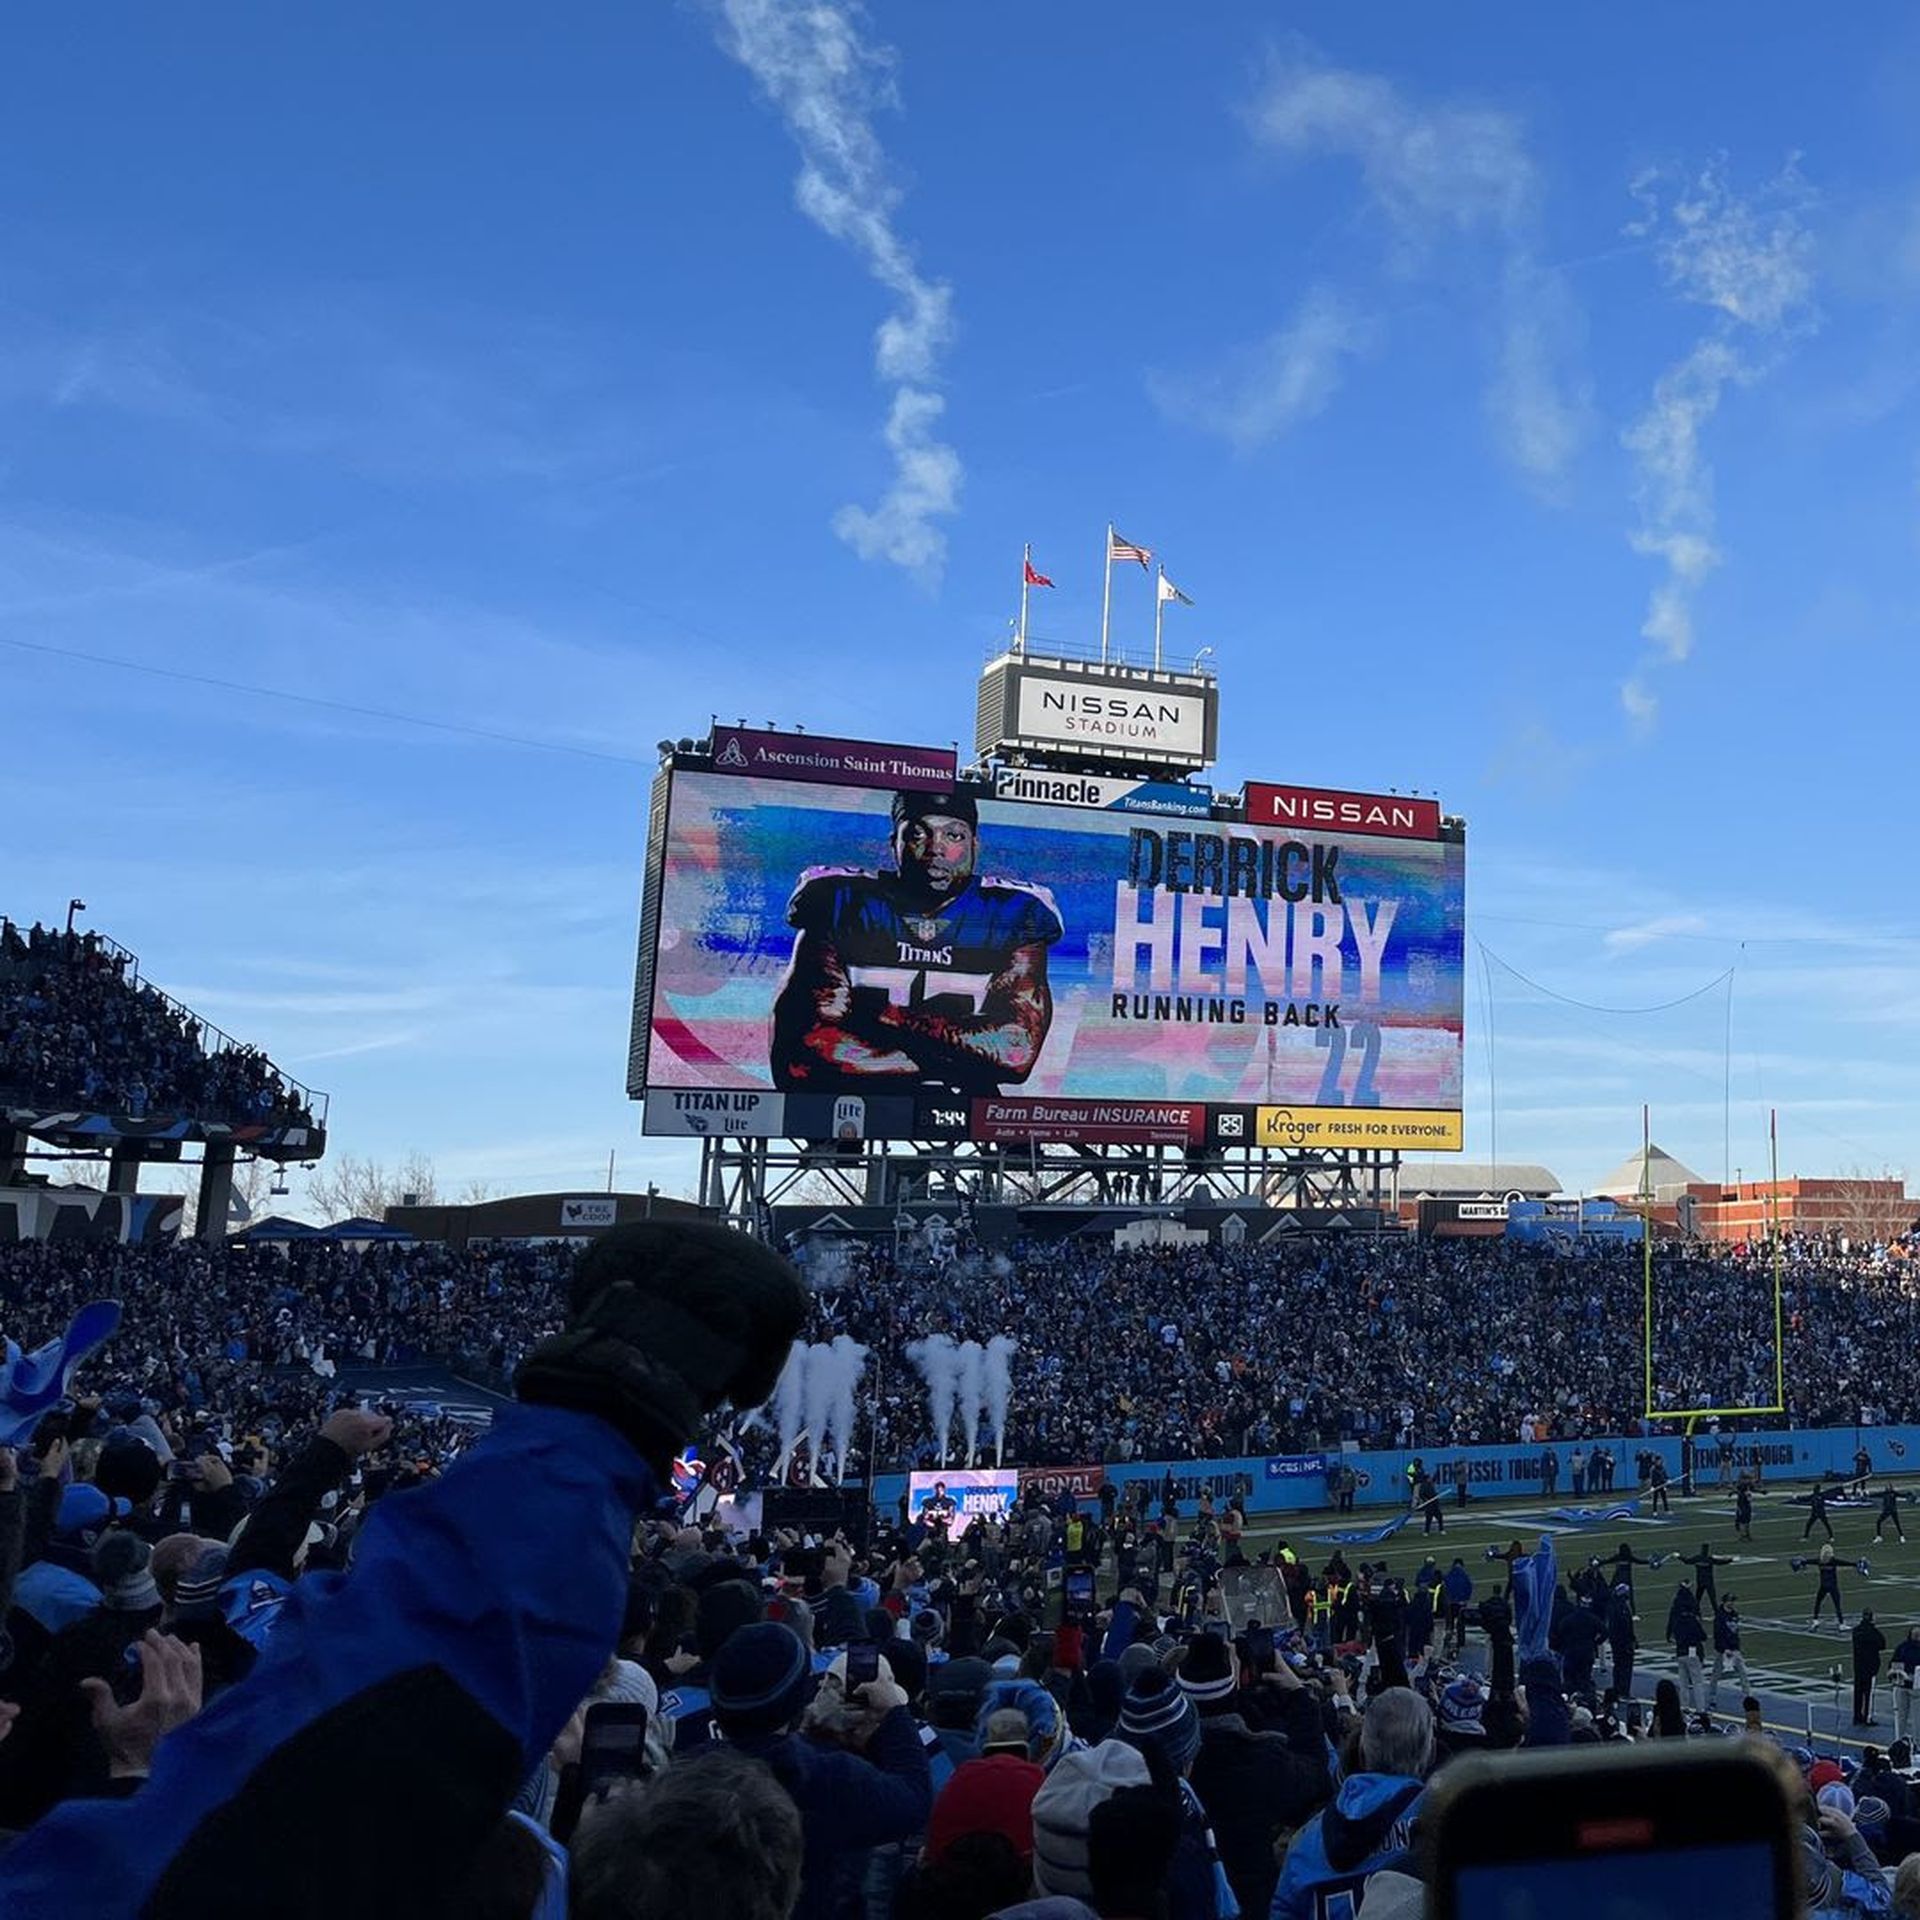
850, 961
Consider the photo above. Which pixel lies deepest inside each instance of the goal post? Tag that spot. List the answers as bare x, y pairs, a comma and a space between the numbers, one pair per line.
1645, 1196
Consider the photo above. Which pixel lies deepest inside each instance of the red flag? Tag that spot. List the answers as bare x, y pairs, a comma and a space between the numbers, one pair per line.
1034, 577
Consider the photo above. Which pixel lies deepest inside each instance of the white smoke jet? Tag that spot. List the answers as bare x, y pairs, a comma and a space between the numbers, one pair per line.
973, 1393
788, 1398
1000, 1351
816, 1400
937, 1365
845, 1360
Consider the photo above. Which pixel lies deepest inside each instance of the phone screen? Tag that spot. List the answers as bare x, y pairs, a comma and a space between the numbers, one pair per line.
863, 1666
613, 1742
1670, 1883
1669, 1830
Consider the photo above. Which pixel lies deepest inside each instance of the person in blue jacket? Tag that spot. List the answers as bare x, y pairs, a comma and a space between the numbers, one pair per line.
1369, 1827
396, 1708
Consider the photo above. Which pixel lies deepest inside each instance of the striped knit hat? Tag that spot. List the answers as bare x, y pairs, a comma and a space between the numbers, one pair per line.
196, 1593
1155, 1710
1206, 1673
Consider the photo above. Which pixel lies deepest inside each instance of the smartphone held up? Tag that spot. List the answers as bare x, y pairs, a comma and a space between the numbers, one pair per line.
1656, 1831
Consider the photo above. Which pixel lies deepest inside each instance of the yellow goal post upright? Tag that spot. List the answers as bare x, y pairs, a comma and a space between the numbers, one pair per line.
1645, 1196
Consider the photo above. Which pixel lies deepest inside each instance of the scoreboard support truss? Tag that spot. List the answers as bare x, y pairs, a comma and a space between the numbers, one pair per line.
742, 1178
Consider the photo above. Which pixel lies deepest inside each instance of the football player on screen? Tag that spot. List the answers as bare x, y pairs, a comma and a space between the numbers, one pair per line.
916, 976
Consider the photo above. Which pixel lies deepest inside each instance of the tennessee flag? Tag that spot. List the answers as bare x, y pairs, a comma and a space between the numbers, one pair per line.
1034, 577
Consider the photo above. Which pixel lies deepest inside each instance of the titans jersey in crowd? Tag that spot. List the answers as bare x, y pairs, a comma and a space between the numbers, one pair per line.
942, 956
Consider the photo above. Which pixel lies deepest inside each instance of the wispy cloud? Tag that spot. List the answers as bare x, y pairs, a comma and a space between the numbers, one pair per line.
1266, 389
1426, 167
1538, 409
374, 1043
1644, 933
1749, 261
826, 79
1435, 174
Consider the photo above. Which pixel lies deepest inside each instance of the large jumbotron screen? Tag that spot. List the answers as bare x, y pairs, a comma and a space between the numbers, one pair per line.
833, 962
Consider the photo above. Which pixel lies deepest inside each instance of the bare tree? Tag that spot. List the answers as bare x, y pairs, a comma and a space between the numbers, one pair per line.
822, 1187
1869, 1203
253, 1182
349, 1187
477, 1191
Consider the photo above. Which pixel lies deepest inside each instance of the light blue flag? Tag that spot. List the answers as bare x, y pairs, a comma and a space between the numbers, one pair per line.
33, 1383
1533, 1584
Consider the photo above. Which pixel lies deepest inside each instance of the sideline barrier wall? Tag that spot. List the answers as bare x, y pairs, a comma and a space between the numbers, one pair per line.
1296, 1483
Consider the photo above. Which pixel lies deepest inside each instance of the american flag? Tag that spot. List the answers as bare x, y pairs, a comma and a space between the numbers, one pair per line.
1119, 549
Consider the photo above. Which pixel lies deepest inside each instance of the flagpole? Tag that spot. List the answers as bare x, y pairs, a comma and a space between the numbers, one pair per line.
1106, 597
1026, 568
1159, 613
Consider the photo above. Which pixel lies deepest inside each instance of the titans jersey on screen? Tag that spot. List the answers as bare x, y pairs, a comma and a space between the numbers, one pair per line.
942, 957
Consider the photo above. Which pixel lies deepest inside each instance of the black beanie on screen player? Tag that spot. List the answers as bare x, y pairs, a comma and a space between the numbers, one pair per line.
949, 806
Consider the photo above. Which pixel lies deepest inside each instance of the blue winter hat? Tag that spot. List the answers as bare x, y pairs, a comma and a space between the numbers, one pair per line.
1027, 1697
83, 1507
1463, 1707
1156, 1712
760, 1679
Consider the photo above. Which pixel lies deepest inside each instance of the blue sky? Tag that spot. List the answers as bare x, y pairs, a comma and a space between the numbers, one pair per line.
1530, 402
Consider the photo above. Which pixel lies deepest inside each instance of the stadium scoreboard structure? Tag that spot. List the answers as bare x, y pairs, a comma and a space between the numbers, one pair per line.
1097, 712
1069, 944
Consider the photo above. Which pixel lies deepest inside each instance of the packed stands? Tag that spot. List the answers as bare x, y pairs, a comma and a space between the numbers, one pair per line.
287, 1656
1144, 1355
79, 1028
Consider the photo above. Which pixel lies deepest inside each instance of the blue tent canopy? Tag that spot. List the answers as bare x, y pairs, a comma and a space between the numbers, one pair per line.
362, 1228
276, 1226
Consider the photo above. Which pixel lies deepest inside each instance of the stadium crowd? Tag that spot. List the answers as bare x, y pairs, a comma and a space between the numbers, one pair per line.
290, 1675
1120, 1356
1157, 1353
78, 1027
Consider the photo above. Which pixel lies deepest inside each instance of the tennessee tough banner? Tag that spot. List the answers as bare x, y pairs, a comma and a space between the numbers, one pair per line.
870, 960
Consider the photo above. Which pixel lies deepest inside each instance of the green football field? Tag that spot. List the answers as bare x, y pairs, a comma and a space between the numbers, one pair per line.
1790, 1661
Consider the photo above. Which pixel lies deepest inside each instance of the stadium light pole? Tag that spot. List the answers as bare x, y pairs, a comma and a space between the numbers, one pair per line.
73, 907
